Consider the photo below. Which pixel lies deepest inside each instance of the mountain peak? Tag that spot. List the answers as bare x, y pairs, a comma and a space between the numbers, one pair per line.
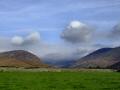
20, 58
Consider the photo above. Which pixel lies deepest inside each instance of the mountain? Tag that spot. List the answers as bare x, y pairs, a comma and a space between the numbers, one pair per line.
115, 66
58, 60
102, 58
60, 64
20, 58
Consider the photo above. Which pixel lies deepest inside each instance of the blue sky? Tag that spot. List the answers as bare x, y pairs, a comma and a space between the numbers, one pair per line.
51, 17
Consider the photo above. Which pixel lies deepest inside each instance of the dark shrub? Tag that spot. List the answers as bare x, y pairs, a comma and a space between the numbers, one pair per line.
118, 70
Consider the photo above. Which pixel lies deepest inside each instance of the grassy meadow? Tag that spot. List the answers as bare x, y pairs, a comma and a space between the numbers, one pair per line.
65, 80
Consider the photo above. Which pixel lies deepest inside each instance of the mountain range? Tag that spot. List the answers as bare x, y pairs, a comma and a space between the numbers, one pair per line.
102, 58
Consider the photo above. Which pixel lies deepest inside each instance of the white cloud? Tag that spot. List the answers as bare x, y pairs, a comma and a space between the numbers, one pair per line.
77, 32
17, 40
76, 25
33, 37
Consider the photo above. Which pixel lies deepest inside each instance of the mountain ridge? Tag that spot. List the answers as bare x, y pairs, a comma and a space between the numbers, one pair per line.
108, 58
20, 58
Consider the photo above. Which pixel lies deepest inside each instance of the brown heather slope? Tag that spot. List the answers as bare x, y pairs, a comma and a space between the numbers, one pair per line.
102, 58
20, 58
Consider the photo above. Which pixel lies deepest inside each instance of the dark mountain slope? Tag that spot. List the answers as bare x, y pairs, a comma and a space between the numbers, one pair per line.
102, 58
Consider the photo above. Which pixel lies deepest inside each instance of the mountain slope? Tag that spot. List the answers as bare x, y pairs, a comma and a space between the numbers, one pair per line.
102, 58
20, 58
60, 64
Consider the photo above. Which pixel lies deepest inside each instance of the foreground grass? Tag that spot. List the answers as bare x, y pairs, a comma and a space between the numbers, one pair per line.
59, 80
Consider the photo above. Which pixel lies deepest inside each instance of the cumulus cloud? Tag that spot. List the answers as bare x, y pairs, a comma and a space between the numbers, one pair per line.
30, 39
17, 40
115, 33
33, 37
77, 32
113, 36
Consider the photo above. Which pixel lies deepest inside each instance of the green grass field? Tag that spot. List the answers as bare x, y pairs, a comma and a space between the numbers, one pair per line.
59, 80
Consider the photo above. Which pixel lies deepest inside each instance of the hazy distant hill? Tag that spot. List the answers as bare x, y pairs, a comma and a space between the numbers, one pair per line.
60, 64
57, 60
20, 58
102, 58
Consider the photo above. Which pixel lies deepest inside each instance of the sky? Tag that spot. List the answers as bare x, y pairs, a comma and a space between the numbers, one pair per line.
62, 29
